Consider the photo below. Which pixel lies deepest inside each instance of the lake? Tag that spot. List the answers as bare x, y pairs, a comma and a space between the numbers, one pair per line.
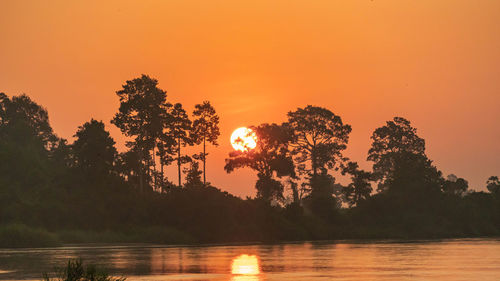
460, 259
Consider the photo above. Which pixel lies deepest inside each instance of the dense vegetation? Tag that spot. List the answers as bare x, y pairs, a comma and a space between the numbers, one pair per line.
53, 192
75, 270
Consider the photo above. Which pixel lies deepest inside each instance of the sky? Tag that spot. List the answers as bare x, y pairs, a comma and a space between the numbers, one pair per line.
436, 63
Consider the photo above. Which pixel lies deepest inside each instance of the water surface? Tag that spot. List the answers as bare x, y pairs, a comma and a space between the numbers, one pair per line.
464, 259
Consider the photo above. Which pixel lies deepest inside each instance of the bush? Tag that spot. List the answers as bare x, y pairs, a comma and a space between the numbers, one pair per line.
20, 235
75, 271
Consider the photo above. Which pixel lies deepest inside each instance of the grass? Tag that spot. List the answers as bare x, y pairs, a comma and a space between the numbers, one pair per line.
155, 234
76, 271
23, 236
20, 235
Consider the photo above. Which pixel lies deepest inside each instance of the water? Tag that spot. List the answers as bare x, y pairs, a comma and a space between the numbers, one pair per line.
465, 259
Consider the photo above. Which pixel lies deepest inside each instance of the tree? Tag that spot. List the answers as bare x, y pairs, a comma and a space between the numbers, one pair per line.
21, 109
128, 165
94, 149
61, 154
166, 144
142, 115
271, 157
26, 139
324, 198
455, 186
205, 129
193, 175
319, 137
360, 188
395, 142
493, 185
4, 101
178, 129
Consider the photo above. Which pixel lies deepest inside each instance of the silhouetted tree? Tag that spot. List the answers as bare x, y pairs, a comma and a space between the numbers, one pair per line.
141, 116
455, 186
193, 175
41, 186
21, 109
270, 157
166, 144
25, 140
128, 165
360, 188
205, 129
324, 198
493, 185
61, 153
319, 138
179, 128
393, 142
94, 149
4, 102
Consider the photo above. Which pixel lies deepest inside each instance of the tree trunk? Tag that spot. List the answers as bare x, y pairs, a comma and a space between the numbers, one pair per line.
295, 192
314, 164
154, 168
162, 179
179, 159
141, 174
204, 160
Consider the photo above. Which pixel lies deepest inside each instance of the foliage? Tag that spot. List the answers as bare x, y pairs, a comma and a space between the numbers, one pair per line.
142, 114
178, 128
393, 142
271, 157
22, 111
400, 164
20, 235
193, 175
52, 191
324, 199
493, 185
360, 188
455, 186
76, 271
319, 137
205, 129
94, 149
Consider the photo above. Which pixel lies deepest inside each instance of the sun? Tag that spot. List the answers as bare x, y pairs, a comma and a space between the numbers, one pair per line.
243, 139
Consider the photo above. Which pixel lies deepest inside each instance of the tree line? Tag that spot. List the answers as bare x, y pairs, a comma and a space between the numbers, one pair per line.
87, 184
161, 129
305, 151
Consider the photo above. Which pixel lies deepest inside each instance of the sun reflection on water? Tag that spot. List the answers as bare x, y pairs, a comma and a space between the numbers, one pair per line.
245, 268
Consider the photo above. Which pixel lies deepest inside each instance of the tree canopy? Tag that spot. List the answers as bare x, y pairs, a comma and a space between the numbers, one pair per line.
270, 158
319, 138
94, 149
205, 129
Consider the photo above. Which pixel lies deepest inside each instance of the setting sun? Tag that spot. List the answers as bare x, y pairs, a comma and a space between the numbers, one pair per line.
243, 139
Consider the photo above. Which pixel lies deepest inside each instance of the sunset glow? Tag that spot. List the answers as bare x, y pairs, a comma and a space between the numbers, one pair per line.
367, 61
243, 139
250, 140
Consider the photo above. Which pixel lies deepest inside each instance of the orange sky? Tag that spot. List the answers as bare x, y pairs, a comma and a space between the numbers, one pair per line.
436, 63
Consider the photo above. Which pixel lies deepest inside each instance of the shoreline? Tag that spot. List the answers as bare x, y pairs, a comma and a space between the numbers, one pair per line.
117, 245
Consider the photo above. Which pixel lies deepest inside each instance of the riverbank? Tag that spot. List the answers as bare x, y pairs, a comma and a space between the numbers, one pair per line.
23, 236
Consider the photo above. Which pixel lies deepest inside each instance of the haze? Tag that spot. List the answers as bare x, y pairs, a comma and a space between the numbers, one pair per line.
436, 63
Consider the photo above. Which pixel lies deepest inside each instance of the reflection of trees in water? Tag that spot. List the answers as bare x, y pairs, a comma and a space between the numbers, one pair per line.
275, 256
178, 260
